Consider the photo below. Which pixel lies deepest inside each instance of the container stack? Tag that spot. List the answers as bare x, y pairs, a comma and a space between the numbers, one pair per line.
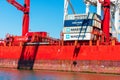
80, 26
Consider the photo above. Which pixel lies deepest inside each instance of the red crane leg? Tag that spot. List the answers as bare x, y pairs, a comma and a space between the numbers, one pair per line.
106, 20
25, 25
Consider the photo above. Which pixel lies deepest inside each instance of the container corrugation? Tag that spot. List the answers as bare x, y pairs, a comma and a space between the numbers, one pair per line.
97, 24
77, 36
82, 29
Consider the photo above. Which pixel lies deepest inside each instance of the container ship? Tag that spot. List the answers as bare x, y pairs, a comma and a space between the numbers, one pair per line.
86, 43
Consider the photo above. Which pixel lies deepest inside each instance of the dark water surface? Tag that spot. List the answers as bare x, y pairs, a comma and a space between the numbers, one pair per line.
7, 74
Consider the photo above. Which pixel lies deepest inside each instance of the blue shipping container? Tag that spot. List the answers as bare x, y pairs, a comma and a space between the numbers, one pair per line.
81, 22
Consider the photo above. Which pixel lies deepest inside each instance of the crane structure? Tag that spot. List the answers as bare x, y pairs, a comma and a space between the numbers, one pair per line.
25, 9
114, 13
66, 3
106, 18
28, 37
111, 10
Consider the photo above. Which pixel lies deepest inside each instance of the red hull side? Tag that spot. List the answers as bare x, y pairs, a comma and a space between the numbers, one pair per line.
61, 52
101, 59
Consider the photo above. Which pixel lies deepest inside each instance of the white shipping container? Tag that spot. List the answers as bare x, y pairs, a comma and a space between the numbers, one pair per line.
81, 36
82, 16
76, 16
77, 29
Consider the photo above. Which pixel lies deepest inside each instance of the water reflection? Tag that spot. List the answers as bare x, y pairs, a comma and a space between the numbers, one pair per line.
53, 75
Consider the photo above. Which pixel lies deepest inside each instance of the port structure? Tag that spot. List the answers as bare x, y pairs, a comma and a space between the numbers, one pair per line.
78, 27
114, 14
114, 17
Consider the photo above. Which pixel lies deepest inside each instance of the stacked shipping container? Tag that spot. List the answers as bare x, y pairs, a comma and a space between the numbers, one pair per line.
80, 26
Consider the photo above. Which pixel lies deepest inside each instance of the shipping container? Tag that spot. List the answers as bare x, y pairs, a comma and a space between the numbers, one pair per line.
83, 16
76, 16
80, 22
97, 24
90, 19
77, 36
80, 29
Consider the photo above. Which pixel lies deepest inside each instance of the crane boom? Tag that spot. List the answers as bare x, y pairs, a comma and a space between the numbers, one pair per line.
25, 9
17, 5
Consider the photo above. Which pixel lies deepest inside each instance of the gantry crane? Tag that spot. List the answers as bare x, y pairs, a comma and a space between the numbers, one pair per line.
114, 14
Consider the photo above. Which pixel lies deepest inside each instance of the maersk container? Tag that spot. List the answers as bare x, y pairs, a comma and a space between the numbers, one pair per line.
80, 29
78, 36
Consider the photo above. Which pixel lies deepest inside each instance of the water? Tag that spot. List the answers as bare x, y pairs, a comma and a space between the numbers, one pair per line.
53, 75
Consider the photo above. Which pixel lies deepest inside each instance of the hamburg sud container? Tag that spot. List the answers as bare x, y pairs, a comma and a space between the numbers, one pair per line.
80, 26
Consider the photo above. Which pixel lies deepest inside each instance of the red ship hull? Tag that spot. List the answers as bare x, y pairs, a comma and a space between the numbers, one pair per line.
102, 59
79, 54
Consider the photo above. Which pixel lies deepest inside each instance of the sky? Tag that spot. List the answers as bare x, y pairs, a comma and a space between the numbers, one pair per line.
45, 15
